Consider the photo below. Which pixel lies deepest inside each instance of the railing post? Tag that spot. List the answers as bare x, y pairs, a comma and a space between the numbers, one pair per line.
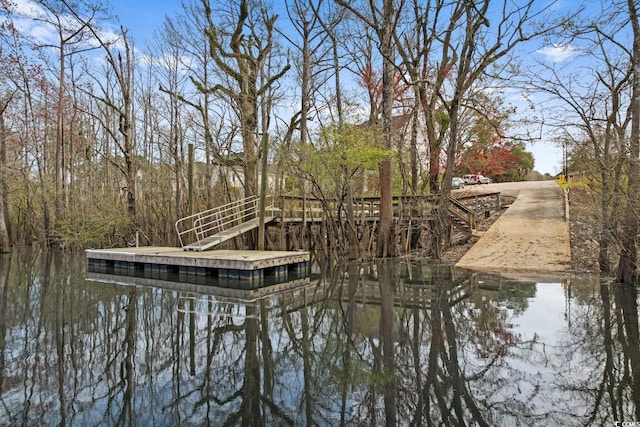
196, 228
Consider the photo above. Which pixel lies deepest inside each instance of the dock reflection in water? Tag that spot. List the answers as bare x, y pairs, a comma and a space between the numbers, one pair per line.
364, 343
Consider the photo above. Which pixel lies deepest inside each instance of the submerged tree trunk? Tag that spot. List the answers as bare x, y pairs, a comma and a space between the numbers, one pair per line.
385, 239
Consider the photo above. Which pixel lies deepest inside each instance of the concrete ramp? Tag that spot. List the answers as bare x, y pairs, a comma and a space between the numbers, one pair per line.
531, 237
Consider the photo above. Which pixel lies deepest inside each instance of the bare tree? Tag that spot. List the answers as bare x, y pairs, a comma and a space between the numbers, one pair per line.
305, 21
240, 56
23, 75
598, 106
119, 100
316, 24
628, 266
478, 42
169, 70
432, 30
190, 31
72, 39
5, 238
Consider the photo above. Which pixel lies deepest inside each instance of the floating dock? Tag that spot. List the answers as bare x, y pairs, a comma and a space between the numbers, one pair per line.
241, 295
222, 268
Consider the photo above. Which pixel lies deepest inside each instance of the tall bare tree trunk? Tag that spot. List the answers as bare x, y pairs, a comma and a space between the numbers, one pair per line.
124, 71
383, 23
249, 57
122, 66
627, 267
385, 239
5, 239
58, 168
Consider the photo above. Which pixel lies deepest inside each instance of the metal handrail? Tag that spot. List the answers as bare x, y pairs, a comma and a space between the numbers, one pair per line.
218, 219
194, 224
224, 219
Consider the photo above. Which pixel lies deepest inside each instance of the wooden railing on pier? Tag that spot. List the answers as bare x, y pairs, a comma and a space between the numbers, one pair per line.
207, 229
297, 208
462, 216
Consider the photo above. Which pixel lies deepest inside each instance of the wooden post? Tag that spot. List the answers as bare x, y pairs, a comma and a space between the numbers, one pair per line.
190, 180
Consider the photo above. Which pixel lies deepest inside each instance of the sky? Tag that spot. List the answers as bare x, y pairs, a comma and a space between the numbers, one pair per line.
142, 17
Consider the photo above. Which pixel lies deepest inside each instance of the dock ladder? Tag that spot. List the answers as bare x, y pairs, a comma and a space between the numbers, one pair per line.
204, 230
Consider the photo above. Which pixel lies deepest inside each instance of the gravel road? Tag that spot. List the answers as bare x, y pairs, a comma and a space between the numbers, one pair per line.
531, 237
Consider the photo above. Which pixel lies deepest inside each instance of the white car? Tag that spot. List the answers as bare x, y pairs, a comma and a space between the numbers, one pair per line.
484, 180
457, 183
471, 179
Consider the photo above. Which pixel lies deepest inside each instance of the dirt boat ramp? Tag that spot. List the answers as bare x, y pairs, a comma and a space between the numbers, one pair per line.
531, 237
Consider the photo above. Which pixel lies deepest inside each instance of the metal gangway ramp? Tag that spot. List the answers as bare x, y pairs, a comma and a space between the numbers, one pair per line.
204, 230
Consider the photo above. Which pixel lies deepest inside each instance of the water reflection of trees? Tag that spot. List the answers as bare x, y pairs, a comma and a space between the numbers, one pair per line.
399, 356
458, 356
598, 360
5, 269
383, 342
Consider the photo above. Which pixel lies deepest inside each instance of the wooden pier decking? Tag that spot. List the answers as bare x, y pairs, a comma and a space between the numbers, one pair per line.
238, 269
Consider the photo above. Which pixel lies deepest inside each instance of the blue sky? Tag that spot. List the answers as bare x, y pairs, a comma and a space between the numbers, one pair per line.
142, 17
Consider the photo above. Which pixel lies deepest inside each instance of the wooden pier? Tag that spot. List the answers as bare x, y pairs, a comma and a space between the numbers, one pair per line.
236, 269
196, 262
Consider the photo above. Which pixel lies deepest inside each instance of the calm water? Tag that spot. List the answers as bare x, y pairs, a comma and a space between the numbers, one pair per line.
360, 344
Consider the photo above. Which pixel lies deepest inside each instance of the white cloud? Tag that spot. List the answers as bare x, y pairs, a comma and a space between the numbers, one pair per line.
42, 26
27, 8
559, 52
